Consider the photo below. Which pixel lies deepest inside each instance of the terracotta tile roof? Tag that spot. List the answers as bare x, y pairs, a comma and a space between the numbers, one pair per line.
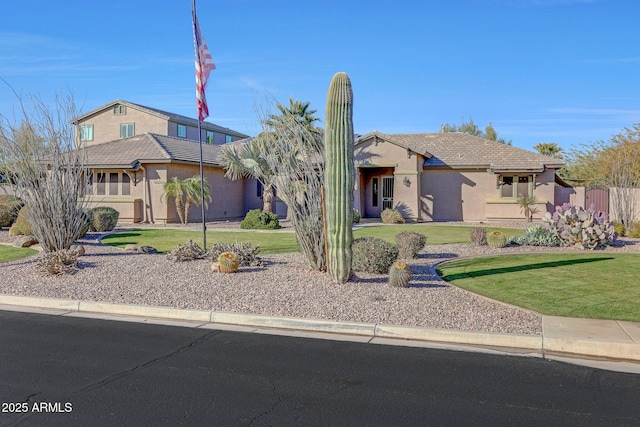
150, 148
460, 150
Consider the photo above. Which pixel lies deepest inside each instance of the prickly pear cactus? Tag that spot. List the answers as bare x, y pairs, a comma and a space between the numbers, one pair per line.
583, 229
339, 176
399, 274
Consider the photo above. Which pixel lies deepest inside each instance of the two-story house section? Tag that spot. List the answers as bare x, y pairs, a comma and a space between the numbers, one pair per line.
122, 119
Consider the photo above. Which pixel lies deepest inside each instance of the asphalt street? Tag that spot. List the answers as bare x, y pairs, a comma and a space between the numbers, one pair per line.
70, 371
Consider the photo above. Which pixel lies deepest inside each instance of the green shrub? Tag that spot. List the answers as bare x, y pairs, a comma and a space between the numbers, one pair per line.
478, 236
392, 216
536, 235
496, 239
102, 218
21, 226
356, 216
619, 228
256, 219
247, 254
372, 255
634, 230
190, 251
410, 243
9, 207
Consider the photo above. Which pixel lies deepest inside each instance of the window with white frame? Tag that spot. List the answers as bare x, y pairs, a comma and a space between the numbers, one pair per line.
127, 130
119, 110
86, 133
182, 131
515, 186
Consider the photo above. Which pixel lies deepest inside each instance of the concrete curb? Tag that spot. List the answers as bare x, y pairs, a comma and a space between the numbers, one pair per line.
577, 338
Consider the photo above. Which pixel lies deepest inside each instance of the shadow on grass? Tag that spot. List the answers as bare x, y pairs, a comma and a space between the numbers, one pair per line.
536, 266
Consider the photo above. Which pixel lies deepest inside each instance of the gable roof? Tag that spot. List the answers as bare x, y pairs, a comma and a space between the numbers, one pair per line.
150, 148
163, 115
460, 150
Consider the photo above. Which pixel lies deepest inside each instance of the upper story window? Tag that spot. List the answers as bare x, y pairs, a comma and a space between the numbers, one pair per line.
120, 110
516, 186
211, 137
127, 130
228, 139
86, 133
182, 131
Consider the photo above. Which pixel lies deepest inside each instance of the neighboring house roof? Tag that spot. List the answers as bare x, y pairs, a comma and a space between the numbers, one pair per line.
150, 148
460, 150
163, 115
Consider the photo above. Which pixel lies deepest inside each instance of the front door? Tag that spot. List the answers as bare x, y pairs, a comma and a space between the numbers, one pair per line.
387, 192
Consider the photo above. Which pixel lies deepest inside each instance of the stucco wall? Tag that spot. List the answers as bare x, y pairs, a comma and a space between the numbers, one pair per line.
106, 125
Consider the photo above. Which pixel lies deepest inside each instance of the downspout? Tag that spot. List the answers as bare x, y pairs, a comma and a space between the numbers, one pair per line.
145, 217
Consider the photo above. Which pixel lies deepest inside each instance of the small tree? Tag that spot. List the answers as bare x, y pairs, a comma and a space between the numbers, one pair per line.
185, 192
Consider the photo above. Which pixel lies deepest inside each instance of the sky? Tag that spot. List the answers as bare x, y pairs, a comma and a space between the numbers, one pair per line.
563, 71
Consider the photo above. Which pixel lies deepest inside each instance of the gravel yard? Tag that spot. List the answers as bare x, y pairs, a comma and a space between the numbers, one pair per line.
285, 287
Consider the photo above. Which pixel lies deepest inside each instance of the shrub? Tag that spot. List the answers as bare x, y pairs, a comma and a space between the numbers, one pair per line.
399, 274
392, 216
410, 243
64, 261
584, 229
102, 218
247, 254
619, 228
478, 236
21, 226
373, 255
9, 208
356, 216
190, 251
634, 230
536, 235
496, 239
256, 219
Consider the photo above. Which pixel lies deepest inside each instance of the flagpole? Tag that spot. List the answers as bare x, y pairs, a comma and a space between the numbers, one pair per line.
204, 219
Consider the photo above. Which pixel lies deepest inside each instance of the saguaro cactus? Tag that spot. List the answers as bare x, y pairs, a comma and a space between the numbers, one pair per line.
339, 176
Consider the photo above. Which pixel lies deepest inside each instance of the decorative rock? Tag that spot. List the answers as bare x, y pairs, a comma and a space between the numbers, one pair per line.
215, 267
148, 249
132, 248
25, 241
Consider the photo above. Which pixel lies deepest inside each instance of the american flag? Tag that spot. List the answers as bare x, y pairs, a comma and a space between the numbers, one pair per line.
204, 66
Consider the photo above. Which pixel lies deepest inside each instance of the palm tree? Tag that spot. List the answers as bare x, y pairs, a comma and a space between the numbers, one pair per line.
247, 161
185, 192
550, 149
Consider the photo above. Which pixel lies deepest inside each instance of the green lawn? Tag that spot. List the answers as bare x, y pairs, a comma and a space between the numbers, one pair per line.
9, 253
165, 240
588, 285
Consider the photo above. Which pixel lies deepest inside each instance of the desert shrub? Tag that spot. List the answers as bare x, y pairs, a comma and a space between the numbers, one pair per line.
356, 216
584, 229
619, 228
64, 261
190, 251
478, 236
247, 254
9, 208
102, 218
410, 243
536, 235
21, 226
392, 216
634, 230
496, 239
372, 255
256, 219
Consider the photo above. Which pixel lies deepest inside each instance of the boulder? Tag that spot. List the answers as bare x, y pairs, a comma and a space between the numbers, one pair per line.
25, 241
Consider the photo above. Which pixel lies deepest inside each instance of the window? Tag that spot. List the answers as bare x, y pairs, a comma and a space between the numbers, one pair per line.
182, 131
374, 192
113, 184
86, 133
211, 137
516, 186
100, 185
228, 139
120, 110
126, 130
126, 185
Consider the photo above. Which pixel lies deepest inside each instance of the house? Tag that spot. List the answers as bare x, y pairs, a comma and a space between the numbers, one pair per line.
122, 119
450, 176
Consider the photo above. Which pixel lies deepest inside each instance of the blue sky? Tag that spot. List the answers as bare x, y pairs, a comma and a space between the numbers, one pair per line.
563, 71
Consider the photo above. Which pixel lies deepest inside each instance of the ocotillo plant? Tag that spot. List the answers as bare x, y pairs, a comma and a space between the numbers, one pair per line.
339, 176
